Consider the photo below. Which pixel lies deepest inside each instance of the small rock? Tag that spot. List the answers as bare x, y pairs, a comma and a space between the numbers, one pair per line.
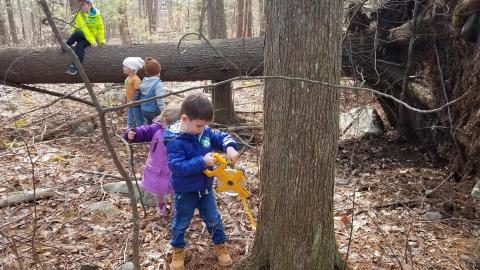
428, 193
476, 190
154, 255
121, 187
89, 266
84, 128
126, 266
432, 216
360, 121
104, 207
342, 181
467, 260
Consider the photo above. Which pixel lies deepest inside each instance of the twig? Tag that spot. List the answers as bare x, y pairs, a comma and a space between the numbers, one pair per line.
34, 229
101, 174
211, 46
239, 128
244, 78
49, 104
105, 135
132, 167
351, 227
14, 248
48, 92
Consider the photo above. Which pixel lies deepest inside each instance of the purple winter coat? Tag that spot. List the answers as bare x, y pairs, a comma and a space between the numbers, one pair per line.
156, 173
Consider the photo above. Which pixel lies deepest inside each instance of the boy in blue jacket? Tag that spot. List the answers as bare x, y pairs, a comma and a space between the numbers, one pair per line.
190, 143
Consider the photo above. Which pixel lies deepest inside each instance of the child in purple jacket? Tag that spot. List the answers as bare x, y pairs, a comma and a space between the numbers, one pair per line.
156, 173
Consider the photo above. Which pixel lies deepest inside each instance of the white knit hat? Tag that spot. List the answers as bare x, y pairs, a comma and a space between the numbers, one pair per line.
135, 63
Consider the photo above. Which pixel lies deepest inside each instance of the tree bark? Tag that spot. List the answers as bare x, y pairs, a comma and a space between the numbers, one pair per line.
11, 21
3, 29
20, 11
295, 225
222, 96
123, 26
103, 64
248, 19
239, 18
261, 17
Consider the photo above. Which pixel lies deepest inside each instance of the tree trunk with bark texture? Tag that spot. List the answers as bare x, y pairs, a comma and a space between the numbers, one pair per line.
103, 64
239, 18
261, 17
295, 224
222, 96
11, 21
3, 29
123, 26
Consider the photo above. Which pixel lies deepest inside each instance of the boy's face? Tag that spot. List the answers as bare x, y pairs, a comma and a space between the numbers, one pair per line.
193, 126
86, 7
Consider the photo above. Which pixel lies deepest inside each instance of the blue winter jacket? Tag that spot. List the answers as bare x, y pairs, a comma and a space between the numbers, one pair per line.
185, 156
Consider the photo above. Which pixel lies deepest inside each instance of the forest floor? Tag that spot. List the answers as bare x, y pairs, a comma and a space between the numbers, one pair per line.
383, 193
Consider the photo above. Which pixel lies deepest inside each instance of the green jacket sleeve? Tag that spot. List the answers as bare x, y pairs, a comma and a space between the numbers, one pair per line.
100, 30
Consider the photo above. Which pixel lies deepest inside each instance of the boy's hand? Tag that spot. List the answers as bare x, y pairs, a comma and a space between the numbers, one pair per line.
94, 44
232, 154
209, 159
131, 135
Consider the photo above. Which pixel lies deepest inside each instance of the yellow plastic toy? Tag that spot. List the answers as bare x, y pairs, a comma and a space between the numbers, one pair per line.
230, 181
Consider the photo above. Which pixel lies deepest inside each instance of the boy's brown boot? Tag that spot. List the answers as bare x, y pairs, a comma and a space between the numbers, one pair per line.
178, 259
223, 255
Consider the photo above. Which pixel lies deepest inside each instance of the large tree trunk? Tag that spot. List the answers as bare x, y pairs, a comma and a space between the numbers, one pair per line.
11, 21
222, 96
295, 228
197, 62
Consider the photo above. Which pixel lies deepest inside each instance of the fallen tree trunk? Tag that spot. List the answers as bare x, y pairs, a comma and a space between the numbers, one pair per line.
104, 64
198, 62
26, 196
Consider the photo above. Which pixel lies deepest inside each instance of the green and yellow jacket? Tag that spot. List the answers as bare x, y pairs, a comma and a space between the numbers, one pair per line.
93, 29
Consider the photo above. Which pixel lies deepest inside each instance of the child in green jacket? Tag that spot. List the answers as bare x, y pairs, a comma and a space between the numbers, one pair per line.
84, 34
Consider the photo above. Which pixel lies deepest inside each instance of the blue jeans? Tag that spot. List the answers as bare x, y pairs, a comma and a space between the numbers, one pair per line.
185, 204
149, 116
82, 44
135, 117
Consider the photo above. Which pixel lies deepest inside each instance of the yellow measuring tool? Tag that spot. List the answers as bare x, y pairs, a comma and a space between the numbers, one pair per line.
230, 181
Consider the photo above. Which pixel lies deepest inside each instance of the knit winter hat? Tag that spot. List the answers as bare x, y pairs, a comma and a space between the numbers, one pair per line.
152, 67
135, 63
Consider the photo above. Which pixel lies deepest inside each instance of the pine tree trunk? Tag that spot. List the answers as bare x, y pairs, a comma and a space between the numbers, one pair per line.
295, 224
3, 29
156, 9
248, 19
239, 18
222, 96
201, 9
20, 11
261, 17
11, 21
123, 25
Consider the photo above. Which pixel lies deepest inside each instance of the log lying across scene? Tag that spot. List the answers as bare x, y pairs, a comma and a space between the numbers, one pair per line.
104, 64
197, 62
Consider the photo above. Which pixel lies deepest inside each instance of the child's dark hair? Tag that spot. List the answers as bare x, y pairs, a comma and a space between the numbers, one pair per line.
197, 106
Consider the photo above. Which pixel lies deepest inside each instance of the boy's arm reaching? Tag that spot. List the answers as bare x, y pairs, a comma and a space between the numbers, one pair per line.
178, 162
